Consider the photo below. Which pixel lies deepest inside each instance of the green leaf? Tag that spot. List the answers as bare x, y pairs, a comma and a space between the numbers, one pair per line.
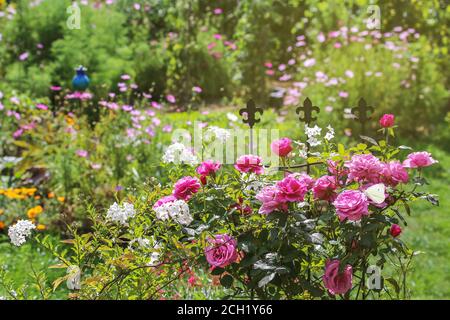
226, 281
369, 139
394, 283
217, 271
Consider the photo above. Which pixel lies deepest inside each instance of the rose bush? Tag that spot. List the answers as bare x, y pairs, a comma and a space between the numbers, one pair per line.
269, 236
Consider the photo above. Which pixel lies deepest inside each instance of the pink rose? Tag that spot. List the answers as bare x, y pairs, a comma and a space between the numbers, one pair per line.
208, 167
395, 230
249, 163
364, 168
304, 179
394, 173
291, 189
164, 200
222, 252
324, 188
281, 147
185, 188
351, 205
387, 120
419, 160
270, 200
335, 282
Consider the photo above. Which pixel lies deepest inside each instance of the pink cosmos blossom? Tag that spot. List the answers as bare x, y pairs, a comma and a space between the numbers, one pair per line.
41, 106
171, 98
186, 187
364, 168
125, 77
269, 196
281, 147
343, 94
324, 188
24, 56
249, 163
55, 88
222, 251
394, 173
387, 120
351, 205
291, 190
18, 133
335, 282
419, 160
164, 200
217, 11
82, 153
197, 89
208, 167
79, 96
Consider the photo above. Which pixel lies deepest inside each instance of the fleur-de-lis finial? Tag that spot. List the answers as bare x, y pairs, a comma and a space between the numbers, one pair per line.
307, 111
251, 111
361, 112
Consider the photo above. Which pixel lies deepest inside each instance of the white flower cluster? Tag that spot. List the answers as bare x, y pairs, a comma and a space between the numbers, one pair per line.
330, 133
18, 232
148, 245
178, 153
313, 133
219, 133
177, 210
121, 213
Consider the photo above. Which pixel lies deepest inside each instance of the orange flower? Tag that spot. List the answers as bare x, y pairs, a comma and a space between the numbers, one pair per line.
34, 212
2, 225
51, 195
70, 121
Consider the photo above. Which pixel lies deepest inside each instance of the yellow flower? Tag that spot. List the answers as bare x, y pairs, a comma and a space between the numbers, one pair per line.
41, 227
2, 211
61, 199
34, 212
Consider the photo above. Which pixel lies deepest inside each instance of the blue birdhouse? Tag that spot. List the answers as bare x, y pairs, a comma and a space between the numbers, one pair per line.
81, 81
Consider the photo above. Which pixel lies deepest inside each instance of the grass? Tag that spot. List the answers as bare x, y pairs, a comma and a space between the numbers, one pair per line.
428, 231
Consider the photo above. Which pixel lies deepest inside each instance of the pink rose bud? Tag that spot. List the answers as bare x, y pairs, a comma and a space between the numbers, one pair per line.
395, 230
387, 120
281, 147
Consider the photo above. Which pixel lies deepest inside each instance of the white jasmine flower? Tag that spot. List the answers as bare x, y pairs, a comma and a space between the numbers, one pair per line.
177, 210
232, 117
330, 133
313, 133
73, 278
121, 213
18, 232
178, 153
